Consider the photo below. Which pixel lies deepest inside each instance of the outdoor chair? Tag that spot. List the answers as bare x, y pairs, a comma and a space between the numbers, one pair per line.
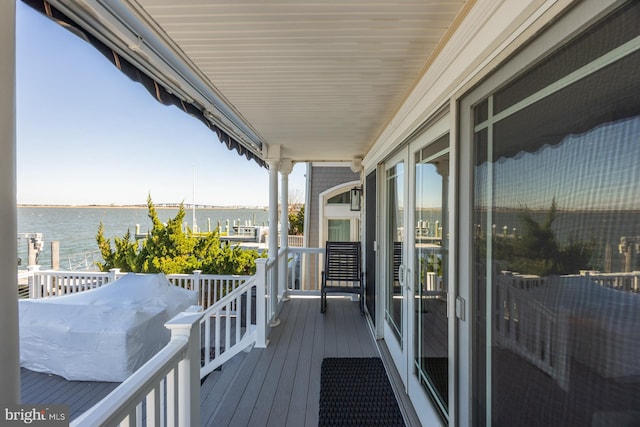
342, 272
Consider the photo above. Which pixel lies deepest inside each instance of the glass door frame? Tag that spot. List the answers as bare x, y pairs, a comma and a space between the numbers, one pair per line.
422, 401
415, 386
397, 347
404, 353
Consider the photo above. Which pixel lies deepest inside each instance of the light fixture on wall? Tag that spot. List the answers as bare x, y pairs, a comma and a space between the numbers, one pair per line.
356, 198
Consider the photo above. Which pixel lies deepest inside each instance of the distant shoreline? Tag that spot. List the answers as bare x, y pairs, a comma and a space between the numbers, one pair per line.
164, 206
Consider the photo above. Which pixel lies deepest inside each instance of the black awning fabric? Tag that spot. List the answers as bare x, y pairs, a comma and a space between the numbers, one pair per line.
153, 87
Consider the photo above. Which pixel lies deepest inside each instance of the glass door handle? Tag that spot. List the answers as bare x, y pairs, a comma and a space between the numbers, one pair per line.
402, 277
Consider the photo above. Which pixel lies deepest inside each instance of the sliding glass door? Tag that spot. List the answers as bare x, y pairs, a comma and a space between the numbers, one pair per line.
395, 271
430, 332
554, 229
416, 247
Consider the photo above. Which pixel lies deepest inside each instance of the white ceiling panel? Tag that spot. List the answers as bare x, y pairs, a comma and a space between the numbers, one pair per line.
321, 79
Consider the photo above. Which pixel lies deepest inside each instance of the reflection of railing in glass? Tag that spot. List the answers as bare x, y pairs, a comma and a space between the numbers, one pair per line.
431, 273
427, 229
528, 328
627, 282
552, 322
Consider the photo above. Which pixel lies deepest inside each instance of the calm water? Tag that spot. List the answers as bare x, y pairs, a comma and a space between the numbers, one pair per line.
76, 228
603, 228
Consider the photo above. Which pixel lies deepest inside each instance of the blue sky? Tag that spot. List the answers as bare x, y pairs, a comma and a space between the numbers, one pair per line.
87, 134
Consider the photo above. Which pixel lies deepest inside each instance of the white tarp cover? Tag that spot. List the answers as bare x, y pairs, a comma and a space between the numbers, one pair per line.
104, 334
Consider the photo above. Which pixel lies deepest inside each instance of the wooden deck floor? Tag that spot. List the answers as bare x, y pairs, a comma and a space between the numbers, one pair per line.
280, 385
46, 389
276, 386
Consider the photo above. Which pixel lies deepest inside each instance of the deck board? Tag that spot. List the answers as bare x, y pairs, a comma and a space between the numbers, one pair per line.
300, 387
274, 370
280, 403
41, 388
317, 354
223, 409
215, 388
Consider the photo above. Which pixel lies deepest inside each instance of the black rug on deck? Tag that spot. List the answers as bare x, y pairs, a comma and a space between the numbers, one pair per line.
356, 391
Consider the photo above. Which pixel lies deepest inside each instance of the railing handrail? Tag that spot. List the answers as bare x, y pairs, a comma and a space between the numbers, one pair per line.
271, 262
111, 410
52, 283
243, 340
230, 296
306, 250
84, 273
207, 276
229, 309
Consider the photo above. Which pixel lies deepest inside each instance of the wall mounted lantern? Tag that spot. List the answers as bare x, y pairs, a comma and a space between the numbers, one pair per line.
356, 198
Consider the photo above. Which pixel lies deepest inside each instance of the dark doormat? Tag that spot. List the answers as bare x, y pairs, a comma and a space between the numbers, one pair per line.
356, 391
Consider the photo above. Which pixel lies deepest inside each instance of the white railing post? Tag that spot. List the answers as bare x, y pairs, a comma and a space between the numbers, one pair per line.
272, 292
113, 274
283, 275
34, 284
197, 286
261, 312
187, 327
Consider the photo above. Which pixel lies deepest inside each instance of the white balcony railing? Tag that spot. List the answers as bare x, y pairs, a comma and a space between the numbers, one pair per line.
241, 311
235, 322
166, 390
304, 266
50, 283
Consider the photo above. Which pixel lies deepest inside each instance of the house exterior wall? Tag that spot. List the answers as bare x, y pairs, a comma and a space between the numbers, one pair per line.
322, 179
497, 42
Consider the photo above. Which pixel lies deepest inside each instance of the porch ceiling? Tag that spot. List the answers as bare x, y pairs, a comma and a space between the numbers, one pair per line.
321, 79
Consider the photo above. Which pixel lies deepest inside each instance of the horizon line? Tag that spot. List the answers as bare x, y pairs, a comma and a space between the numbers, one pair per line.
136, 205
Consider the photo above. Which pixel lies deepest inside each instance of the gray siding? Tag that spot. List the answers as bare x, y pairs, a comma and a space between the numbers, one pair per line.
323, 178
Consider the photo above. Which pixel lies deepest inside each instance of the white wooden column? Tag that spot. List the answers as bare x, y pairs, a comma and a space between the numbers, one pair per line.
9, 356
273, 238
285, 169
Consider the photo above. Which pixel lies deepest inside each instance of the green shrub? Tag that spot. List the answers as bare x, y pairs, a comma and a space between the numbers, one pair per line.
169, 249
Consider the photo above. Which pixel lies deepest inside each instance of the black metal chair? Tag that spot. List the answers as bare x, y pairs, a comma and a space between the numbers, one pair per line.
342, 272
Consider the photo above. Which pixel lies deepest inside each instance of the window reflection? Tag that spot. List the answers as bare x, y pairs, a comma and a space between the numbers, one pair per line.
556, 246
430, 265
